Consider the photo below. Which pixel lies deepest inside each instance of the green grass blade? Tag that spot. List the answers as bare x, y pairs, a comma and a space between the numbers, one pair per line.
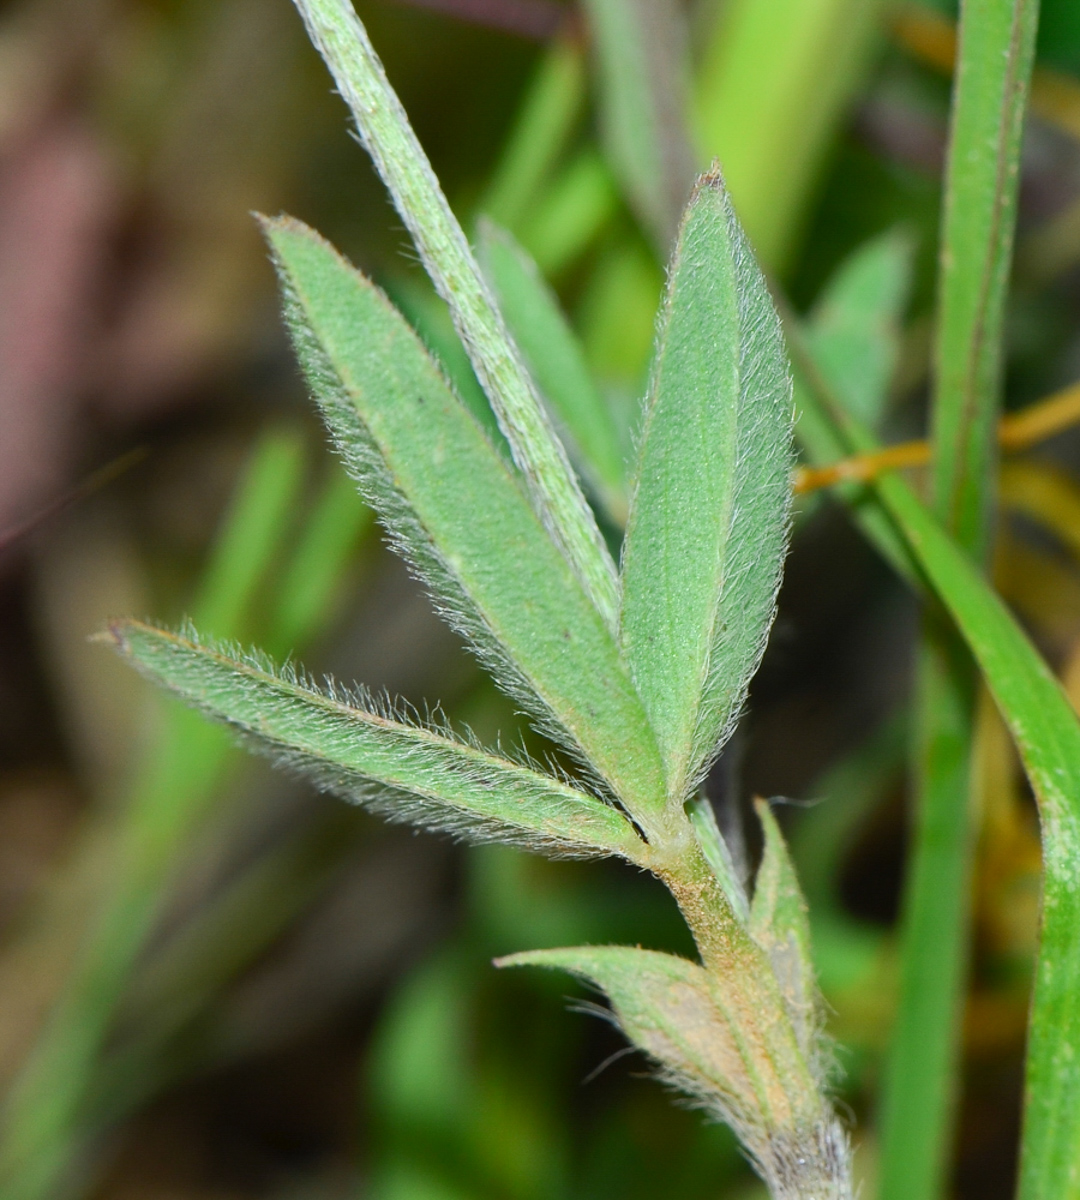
460, 515
557, 362
854, 329
553, 103
708, 524
1047, 734
400, 160
996, 55
404, 772
920, 1085
997, 44
1031, 700
643, 71
42, 1110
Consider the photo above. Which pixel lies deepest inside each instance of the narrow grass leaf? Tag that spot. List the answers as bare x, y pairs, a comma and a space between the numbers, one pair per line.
406, 773
708, 523
557, 362
1036, 709
251, 534
643, 72
459, 515
739, 1063
996, 55
174, 785
311, 582
920, 1077
400, 160
1047, 734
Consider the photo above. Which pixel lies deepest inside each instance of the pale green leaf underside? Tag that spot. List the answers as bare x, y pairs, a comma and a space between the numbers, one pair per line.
557, 361
404, 168
405, 772
708, 525
461, 517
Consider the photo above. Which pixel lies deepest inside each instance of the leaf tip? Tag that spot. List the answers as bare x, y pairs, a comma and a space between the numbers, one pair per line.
276, 230
523, 958
114, 635
713, 179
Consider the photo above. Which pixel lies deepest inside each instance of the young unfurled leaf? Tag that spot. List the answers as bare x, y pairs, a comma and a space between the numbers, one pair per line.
459, 514
725, 1042
404, 772
400, 160
708, 522
854, 330
557, 362
718, 854
780, 926
643, 72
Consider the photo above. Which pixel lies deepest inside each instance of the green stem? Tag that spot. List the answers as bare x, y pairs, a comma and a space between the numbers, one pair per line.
403, 166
